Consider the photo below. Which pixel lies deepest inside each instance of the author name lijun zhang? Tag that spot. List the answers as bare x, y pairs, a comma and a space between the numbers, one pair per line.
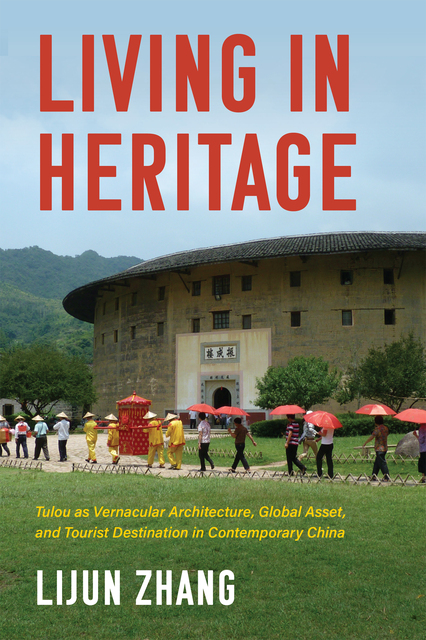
153, 587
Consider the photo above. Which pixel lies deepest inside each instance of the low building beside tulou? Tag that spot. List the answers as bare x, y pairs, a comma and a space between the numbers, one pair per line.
202, 325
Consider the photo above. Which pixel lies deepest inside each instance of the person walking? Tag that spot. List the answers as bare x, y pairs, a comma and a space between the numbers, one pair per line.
192, 419
176, 442
21, 430
239, 434
63, 429
380, 434
4, 436
326, 449
91, 436
41, 430
421, 437
308, 438
204, 442
113, 437
156, 439
291, 444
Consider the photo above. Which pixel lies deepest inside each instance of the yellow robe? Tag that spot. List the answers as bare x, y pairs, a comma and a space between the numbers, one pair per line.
156, 442
91, 437
176, 443
113, 441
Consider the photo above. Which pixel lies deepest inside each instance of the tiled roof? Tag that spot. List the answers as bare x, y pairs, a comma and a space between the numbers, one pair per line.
80, 302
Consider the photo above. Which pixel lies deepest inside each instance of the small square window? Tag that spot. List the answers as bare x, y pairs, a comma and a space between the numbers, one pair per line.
221, 320
221, 285
388, 276
295, 319
246, 283
246, 322
132, 332
389, 316
347, 320
134, 298
346, 277
8, 409
117, 304
115, 335
161, 293
102, 338
295, 278
196, 288
160, 328
195, 325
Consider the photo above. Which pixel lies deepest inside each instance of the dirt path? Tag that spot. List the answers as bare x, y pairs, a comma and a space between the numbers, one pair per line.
77, 453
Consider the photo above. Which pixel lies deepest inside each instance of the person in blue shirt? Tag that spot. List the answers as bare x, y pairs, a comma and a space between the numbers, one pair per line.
41, 430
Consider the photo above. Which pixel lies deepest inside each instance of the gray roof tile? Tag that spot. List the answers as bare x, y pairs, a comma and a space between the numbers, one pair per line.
80, 302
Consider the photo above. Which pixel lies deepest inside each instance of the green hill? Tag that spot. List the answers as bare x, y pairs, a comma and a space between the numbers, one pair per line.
33, 283
47, 275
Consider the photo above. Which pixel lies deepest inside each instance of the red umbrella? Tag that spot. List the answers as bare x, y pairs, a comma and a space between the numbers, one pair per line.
412, 415
232, 411
376, 410
287, 409
205, 408
323, 419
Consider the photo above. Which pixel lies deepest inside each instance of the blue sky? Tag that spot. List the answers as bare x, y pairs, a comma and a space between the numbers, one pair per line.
387, 112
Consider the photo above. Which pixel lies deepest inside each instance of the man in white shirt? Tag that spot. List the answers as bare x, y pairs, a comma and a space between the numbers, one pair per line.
21, 430
63, 429
192, 419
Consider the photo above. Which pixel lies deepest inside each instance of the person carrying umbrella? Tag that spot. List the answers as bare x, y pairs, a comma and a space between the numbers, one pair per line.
326, 449
240, 434
204, 441
308, 438
291, 444
421, 437
418, 416
380, 434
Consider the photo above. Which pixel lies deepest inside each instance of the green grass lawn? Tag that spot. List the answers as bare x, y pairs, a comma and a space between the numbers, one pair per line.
367, 585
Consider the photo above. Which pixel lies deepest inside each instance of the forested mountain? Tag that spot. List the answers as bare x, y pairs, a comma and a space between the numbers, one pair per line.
47, 275
33, 283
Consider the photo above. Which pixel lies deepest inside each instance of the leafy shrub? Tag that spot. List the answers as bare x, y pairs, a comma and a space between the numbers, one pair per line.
269, 428
355, 424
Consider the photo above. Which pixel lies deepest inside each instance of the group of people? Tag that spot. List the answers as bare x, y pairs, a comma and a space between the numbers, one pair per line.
223, 421
22, 432
309, 437
177, 441
239, 434
175, 432
156, 439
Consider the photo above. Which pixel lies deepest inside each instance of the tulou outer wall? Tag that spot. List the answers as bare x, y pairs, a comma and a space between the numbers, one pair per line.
147, 344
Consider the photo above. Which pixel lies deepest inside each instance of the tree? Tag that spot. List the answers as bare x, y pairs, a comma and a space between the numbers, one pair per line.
304, 381
391, 374
39, 376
